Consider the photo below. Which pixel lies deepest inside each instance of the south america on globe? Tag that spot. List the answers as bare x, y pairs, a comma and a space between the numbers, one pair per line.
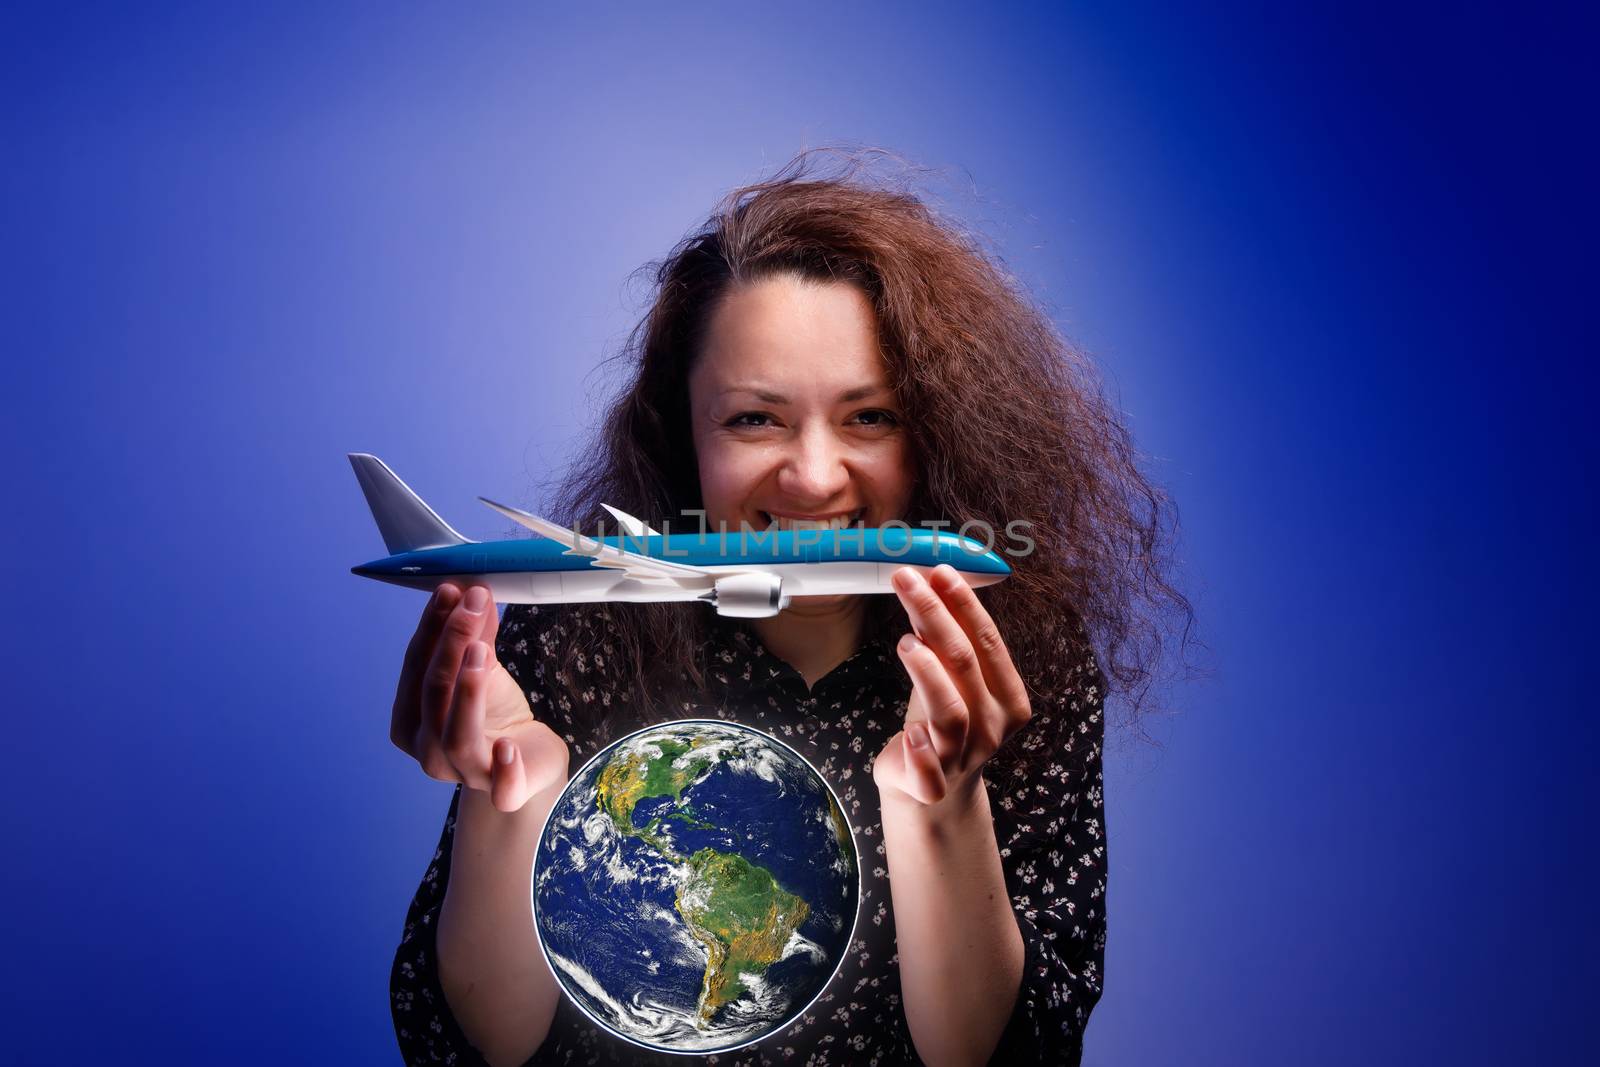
695, 886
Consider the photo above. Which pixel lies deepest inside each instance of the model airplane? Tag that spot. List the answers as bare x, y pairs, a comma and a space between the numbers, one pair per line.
749, 574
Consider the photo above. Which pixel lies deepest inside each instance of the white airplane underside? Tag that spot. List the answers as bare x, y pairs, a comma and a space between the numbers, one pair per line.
583, 587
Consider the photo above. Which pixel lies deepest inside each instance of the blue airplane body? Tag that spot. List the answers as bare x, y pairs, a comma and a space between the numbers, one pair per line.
892, 545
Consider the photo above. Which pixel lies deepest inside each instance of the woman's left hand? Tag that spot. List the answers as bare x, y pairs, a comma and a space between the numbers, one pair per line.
966, 699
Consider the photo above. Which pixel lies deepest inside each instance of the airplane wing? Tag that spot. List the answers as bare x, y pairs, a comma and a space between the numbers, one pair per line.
631, 526
641, 567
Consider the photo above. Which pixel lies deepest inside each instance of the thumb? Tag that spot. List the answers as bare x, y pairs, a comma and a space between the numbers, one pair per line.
916, 710
508, 788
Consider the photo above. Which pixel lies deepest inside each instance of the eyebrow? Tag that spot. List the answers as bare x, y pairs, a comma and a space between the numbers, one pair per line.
766, 396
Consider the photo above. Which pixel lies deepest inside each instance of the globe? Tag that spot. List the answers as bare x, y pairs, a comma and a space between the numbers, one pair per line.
695, 886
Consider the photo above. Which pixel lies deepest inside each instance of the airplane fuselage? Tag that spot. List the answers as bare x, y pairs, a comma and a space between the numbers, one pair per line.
809, 562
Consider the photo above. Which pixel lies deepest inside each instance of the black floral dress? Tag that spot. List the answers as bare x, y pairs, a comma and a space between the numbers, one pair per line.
1049, 827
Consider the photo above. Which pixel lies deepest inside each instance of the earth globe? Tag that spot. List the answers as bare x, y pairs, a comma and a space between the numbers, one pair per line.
695, 886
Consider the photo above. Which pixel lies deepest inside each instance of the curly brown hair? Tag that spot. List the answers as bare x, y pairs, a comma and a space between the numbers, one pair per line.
1008, 422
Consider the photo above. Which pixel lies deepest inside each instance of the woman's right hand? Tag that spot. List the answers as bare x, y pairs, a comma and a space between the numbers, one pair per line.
461, 715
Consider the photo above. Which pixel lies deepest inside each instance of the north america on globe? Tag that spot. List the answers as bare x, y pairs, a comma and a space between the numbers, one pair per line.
696, 886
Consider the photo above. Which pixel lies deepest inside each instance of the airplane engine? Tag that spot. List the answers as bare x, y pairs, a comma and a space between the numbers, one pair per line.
749, 596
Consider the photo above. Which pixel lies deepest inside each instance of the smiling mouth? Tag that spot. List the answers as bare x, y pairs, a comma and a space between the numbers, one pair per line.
834, 522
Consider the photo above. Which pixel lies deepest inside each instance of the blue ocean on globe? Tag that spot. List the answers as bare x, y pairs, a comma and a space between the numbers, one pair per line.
696, 886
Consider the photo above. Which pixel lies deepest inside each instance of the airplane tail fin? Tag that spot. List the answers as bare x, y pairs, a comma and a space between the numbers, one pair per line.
404, 520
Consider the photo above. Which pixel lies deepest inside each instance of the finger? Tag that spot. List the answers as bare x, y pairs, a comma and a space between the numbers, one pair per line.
946, 710
939, 630
461, 628
510, 788
406, 714
994, 659
465, 745
491, 620
924, 775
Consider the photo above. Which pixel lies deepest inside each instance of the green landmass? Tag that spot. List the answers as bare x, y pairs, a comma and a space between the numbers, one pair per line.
627, 780
741, 915
689, 818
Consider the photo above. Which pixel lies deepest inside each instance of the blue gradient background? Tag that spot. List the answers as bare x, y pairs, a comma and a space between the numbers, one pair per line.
1330, 263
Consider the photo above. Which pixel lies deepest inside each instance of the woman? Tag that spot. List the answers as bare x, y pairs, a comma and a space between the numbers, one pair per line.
825, 349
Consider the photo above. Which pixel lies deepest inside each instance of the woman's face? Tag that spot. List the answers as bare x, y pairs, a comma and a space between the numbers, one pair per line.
794, 420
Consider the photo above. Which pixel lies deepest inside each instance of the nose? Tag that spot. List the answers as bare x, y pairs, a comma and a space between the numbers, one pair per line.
815, 472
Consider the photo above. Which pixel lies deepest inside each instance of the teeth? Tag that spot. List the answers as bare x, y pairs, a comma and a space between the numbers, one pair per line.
838, 522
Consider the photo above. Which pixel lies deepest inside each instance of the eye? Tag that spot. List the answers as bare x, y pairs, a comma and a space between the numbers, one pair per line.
750, 420
876, 418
